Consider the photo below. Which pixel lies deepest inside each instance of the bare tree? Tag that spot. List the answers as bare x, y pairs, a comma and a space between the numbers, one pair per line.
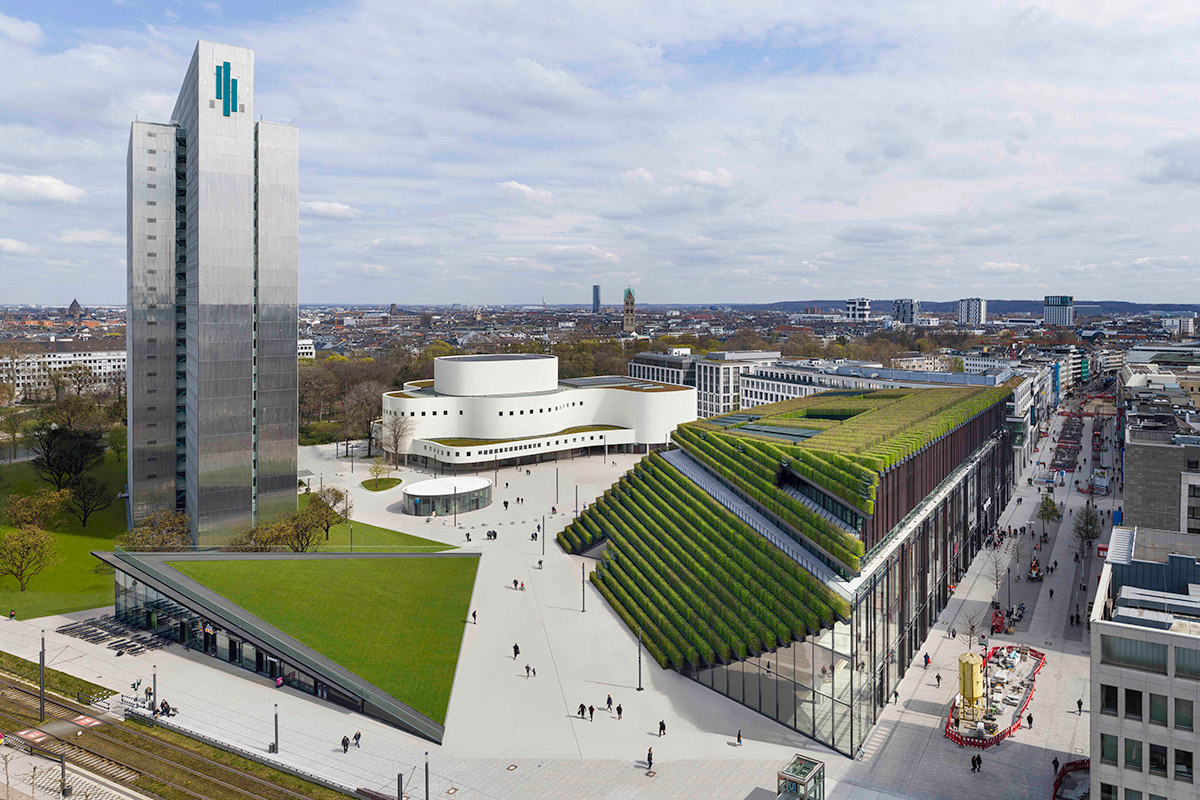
378, 469
80, 378
363, 405
25, 552
88, 495
999, 570
160, 531
11, 425
397, 433
975, 627
117, 440
330, 506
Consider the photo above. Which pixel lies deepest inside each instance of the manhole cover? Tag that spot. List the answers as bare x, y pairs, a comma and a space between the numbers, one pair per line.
511, 767
1079, 750
650, 773
1049, 644
452, 790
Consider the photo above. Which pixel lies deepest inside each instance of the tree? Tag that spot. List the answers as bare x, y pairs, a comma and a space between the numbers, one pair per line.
1048, 511
73, 413
117, 440
363, 405
161, 531
330, 506
975, 627
1086, 529
25, 552
378, 469
999, 572
958, 365
11, 425
299, 532
80, 378
397, 432
64, 455
37, 510
88, 496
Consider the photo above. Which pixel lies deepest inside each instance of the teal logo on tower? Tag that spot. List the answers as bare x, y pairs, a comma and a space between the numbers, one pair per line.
226, 89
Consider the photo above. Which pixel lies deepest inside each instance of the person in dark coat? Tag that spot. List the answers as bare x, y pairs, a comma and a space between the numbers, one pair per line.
345, 744
650, 758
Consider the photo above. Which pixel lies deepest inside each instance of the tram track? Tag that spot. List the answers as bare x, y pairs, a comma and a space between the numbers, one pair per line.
139, 760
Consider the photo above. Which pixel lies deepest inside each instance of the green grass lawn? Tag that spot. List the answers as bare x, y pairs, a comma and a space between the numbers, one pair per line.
73, 584
379, 484
397, 623
376, 539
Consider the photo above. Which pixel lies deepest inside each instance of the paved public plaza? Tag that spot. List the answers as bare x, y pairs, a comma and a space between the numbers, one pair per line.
511, 736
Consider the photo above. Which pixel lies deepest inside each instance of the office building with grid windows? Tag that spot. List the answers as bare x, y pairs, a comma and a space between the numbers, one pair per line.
213, 233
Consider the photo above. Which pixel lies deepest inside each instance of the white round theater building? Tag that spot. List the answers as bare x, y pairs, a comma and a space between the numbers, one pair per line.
483, 410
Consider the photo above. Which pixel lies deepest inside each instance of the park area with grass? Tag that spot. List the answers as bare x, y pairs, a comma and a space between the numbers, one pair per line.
380, 484
374, 538
74, 583
395, 622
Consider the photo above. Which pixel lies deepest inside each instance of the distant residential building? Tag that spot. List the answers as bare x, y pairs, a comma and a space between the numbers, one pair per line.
1180, 327
1144, 685
719, 379
33, 375
596, 298
305, 349
972, 311
906, 311
1058, 311
922, 362
858, 309
786, 379
1162, 456
629, 323
677, 366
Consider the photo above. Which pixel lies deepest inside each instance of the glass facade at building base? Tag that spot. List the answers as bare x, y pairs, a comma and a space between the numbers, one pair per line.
832, 686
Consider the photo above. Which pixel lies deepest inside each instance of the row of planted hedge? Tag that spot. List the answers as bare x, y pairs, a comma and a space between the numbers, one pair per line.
755, 473
703, 587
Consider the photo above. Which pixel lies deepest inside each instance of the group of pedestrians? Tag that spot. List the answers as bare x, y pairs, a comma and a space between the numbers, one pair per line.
346, 740
589, 712
490, 535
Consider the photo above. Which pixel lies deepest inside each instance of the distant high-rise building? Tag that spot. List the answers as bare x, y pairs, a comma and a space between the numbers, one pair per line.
972, 311
213, 235
392, 310
629, 325
1059, 310
595, 298
906, 311
858, 309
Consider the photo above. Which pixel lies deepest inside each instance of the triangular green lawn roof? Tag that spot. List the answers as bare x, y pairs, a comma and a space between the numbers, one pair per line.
396, 623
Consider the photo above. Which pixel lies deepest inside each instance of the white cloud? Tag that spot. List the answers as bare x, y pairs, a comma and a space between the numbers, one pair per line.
1005, 267
527, 192
720, 178
98, 236
15, 247
19, 30
38, 187
582, 252
329, 210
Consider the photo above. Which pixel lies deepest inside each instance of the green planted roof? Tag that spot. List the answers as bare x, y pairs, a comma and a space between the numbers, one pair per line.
702, 586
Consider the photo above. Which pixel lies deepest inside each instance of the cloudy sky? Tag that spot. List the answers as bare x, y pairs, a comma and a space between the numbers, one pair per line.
701, 151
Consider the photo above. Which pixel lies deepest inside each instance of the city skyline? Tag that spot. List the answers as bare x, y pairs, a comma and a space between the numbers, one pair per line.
740, 156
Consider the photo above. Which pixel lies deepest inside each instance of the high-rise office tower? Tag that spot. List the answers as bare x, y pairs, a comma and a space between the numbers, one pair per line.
972, 311
629, 324
213, 233
906, 311
858, 309
1058, 311
595, 298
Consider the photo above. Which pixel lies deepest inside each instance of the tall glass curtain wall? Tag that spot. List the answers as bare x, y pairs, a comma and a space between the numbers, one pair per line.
832, 686
141, 606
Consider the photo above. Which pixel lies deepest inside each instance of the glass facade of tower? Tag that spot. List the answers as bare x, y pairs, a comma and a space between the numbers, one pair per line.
212, 371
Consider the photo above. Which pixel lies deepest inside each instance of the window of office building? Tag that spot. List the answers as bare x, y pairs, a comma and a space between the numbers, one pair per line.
1187, 662
1158, 709
1108, 699
1183, 765
1133, 754
1121, 652
1158, 759
1183, 713
1108, 791
1108, 748
1133, 704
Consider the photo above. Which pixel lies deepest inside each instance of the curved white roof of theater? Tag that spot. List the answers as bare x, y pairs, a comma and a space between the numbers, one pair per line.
446, 486
498, 357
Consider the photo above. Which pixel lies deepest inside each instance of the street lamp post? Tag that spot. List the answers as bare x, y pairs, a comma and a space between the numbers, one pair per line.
454, 501
542, 536
639, 658
582, 590
1009, 571
556, 486
42, 679
275, 746
154, 688
426, 775
351, 536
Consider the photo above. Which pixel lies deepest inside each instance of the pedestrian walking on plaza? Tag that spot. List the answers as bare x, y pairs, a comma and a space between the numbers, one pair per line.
474, 617
662, 728
618, 712
895, 697
514, 583
1029, 719
1056, 563
1079, 706
506, 505
1054, 764
526, 670
650, 758
610, 703
591, 713
516, 652
357, 738
938, 678
582, 709
972, 763
739, 744
861, 755
345, 744
927, 661
1051, 594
